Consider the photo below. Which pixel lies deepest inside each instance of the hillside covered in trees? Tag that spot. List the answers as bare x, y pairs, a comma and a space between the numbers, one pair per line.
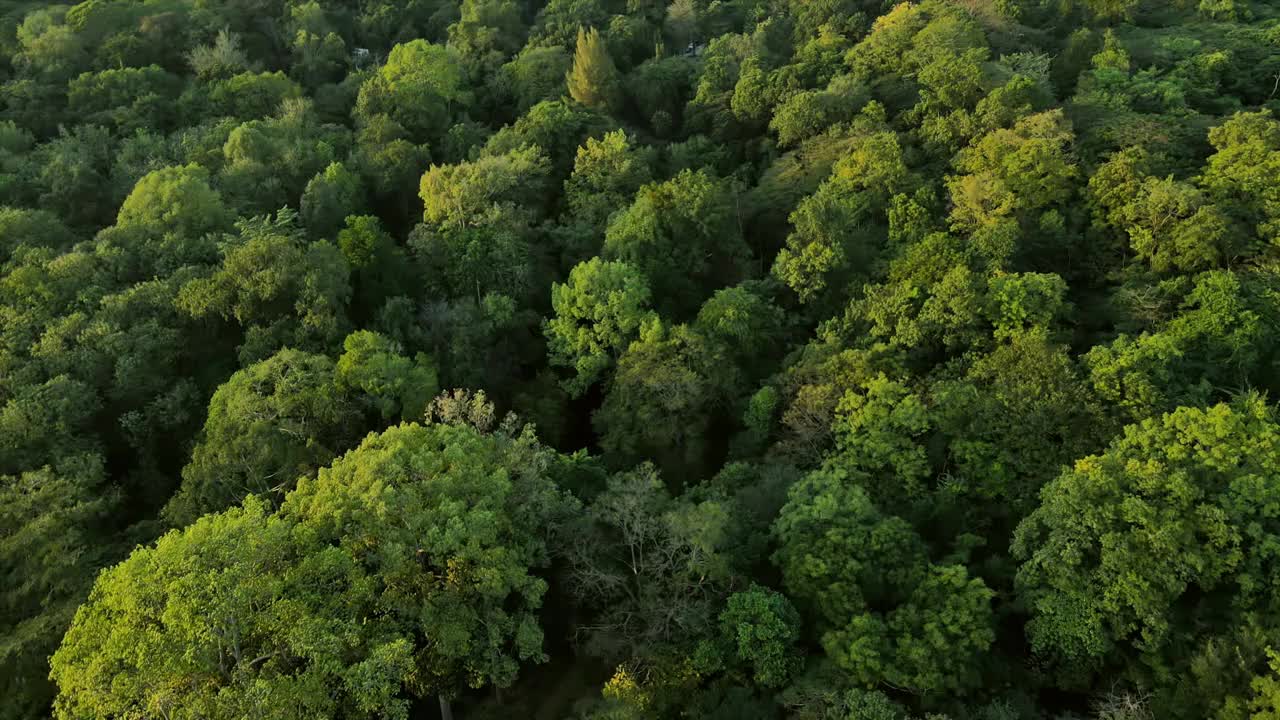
640, 359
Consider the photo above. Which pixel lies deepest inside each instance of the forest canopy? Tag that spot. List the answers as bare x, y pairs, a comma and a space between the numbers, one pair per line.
640, 359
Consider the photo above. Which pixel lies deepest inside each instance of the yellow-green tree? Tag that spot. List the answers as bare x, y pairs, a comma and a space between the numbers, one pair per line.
593, 80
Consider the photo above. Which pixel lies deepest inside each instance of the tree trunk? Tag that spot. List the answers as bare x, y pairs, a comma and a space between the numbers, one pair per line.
446, 710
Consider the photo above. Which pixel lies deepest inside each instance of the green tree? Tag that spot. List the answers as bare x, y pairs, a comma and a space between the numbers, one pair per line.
42, 421
269, 424
318, 57
108, 373
931, 643
55, 524
480, 341
224, 58
558, 127
684, 235
20, 227
881, 429
168, 220
837, 230
652, 568
1112, 9
745, 321
318, 609
329, 198
250, 96
279, 290
1170, 224
473, 193
388, 160
266, 164
127, 99
887, 614
1217, 334
537, 73
1010, 173
839, 554
395, 385
422, 86
487, 33
598, 312
15, 147
460, 523
48, 46
1265, 704
243, 613
72, 171
1156, 542
668, 386
662, 86
476, 222
1240, 175
380, 267
1018, 415
809, 112
177, 200
762, 628
607, 172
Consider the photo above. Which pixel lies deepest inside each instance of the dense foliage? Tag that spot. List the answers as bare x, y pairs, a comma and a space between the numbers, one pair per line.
622, 359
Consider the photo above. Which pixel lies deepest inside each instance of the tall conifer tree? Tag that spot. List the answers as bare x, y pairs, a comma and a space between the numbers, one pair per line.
593, 80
